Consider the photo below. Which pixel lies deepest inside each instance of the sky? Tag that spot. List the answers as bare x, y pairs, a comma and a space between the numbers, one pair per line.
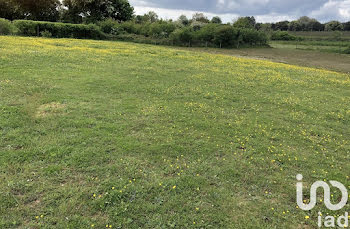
263, 10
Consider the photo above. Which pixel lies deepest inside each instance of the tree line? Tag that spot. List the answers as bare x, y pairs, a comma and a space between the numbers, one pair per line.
304, 24
115, 19
72, 11
92, 11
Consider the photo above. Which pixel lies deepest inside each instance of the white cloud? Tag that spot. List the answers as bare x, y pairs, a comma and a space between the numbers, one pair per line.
333, 10
274, 18
263, 10
174, 14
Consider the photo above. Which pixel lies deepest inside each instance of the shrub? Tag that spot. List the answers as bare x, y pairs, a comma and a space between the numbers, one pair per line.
130, 27
46, 34
253, 37
161, 29
225, 36
207, 33
182, 36
111, 26
282, 36
58, 30
6, 27
107, 26
347, 51
26, 28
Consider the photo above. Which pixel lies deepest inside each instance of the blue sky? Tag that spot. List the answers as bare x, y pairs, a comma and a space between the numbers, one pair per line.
263, 10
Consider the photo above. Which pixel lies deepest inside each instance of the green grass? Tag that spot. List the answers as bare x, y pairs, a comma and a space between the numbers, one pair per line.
138, 136
323, 46
324, 41
321, 35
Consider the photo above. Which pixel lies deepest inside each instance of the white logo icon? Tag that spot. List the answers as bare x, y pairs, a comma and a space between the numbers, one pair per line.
327, 194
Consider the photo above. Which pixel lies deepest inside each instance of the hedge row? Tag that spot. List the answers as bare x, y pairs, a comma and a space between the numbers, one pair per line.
283, 36
213, 35
51, 29
6, 27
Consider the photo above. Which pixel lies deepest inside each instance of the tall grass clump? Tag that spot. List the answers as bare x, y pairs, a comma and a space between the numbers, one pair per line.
6, 27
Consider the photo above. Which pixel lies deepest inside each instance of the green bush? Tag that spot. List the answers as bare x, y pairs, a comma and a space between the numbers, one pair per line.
253, 37
142, 39
226, 36
58, 30
347, 51
111, 26
161, 29
46, 34
6, 27
159, 32
182, 36
282, 36
207, 33
130, 27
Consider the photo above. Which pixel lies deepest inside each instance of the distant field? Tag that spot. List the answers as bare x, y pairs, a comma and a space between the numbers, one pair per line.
97, 134
324, 41
323, 46
324, 35
288, 54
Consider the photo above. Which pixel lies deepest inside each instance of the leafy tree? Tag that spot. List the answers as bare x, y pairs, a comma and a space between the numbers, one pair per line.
282, 36
309, 24
138, 19
282, 25
183, 20
245, 22
334, 26
10, 10
304, 22
207, 33
97, 10
110, 26
346, 26
216, 20
294, 26
6, 27
200, 17
161, 29
197, 25
151, 17
264, 27
39, 10
252, 37
225, 36
315, 25
183, 36
74, 11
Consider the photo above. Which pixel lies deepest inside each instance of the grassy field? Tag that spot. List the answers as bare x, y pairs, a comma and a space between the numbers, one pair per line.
307, 58
97, 134
342, 47
321, 35
324, 41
